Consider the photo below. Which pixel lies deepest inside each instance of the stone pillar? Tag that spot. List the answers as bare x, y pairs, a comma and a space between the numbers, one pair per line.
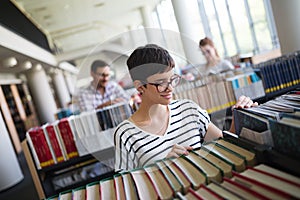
191, 48
287, 17
41, 94
148, 24
60, 87
10, 171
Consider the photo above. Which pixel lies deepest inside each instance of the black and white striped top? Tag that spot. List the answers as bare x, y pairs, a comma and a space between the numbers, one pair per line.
136, 148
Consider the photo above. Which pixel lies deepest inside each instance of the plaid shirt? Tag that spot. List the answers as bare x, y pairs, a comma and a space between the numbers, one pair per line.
89, 98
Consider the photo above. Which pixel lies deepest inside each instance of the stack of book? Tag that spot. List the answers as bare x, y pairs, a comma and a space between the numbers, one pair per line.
218, 170
76, 135
217, 94
280, 73
274, 123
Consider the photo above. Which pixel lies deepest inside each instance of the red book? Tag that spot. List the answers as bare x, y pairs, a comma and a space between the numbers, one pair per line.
39, 147
53, 141
67, 138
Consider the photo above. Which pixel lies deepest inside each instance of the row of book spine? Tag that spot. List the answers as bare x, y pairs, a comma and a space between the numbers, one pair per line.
275, 123
219, 170
280, 73
59, 141
217, 95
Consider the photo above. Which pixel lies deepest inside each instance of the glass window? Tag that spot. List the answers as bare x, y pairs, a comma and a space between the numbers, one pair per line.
224, 33
241, 25
260, 24
213, 24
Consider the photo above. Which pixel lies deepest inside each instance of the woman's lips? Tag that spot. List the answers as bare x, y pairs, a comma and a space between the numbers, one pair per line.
167, 96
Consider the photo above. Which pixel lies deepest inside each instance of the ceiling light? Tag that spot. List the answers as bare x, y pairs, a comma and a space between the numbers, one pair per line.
27, 65
10, 62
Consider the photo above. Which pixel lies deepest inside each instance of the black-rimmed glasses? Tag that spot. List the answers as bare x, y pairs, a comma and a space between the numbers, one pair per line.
162, 87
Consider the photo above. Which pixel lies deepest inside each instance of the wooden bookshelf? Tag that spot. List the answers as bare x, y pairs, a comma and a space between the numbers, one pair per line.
18, 111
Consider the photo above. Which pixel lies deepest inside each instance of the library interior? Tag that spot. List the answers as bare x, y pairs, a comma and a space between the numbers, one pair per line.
216, 114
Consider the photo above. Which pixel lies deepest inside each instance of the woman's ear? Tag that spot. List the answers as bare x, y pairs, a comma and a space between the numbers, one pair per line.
139, 86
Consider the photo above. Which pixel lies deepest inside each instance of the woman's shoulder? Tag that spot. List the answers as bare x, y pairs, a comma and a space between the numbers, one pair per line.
183, 102
123, 126
226, 64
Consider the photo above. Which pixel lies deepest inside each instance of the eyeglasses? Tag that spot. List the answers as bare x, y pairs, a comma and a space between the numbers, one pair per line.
104, 75
162, 87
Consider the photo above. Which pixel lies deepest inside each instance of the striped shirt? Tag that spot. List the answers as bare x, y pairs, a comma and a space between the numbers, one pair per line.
134, 147
89, 98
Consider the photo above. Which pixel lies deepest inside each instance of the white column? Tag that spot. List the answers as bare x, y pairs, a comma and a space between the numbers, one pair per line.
148, 24
10, 171
287, 17
60, 87
185, 27
41, 94
70, 81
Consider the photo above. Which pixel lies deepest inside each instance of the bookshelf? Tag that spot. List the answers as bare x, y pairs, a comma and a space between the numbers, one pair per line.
44, 179
18, 111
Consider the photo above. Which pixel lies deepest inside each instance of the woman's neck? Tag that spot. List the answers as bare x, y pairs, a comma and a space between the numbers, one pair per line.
147, 112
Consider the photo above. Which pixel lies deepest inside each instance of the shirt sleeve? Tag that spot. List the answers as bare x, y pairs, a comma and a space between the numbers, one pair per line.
204, 120
227, 65
121, 93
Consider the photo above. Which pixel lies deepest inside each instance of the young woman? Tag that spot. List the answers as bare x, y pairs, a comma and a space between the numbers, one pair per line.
214, 63
161, 127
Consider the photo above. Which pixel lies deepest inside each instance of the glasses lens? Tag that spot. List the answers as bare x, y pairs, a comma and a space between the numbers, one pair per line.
173, 82
162, 87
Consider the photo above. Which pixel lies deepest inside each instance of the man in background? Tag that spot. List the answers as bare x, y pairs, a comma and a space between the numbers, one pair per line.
102, 91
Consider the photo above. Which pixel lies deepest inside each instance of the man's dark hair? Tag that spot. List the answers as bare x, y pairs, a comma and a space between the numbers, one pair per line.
98, 63
148, 60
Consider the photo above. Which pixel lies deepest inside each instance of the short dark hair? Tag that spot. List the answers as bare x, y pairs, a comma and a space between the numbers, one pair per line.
149, 60
98, 63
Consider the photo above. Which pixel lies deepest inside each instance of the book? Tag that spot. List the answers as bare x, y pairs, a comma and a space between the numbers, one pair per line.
223, 166
184, 182
42, 154
93, 191
172, 179
119, 187
286, 135
65, 195
194, 175
252, 121
241, 190
206, 193
223, 192
275, 180
238, 162
210, 171
79, 193
249, 156
264, 137
159, 182
67, 137
107, 189
259, 187
144, 186
279, 173
129, 186
54, 142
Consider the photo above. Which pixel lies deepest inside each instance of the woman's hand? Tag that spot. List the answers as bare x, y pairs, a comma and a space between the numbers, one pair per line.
178, 150
244, 102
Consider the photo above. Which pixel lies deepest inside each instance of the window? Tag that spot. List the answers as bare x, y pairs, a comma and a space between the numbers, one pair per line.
239, 26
